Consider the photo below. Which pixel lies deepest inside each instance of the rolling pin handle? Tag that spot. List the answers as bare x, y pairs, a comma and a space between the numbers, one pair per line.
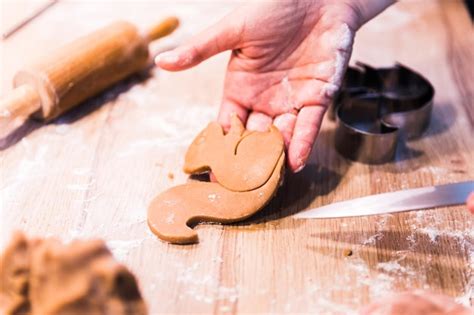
19, 103
166, 27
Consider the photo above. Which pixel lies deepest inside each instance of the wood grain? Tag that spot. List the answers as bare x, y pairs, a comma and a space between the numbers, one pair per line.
92, 173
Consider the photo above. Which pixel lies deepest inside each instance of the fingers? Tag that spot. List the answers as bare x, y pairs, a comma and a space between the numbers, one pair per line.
225, 35
470, 202
227, 109
258, 121
285, 123
306, 129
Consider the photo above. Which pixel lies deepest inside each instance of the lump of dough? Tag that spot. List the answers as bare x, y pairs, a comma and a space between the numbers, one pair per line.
47, 277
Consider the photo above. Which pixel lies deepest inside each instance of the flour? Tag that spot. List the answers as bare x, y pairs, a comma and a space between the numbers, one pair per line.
288, 93
380, 227
213, 197
217, 259
122, 248
62, 129
171, 128
431, 232
385, 278
81, 186
341, 40
432, 224
394, 268
81, 171
170, 218
202, 287
439, 174
33, 167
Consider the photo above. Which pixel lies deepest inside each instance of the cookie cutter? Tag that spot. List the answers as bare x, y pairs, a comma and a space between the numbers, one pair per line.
376, 108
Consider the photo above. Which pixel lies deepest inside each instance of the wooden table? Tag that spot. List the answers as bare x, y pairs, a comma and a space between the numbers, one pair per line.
92, 173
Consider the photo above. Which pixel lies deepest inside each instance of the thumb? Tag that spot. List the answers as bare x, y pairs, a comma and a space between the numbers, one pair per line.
225, 35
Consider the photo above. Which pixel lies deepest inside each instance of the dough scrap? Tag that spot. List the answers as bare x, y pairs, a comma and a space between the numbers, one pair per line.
241, 160
47, 277
252, 177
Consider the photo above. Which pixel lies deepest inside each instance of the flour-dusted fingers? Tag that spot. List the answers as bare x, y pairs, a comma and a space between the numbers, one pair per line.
225, 35
306, 129
286, 124
229, 108
470, 203
258, 121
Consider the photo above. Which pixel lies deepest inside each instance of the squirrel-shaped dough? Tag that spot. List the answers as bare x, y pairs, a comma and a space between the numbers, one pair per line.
240, 160
251, 165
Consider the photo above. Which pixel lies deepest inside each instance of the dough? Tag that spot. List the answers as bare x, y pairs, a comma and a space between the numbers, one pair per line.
15, 275
170, 213
240, 160
46, 277
259, 163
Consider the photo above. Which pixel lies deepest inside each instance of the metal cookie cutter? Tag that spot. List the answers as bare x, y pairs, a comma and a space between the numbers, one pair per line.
376, 107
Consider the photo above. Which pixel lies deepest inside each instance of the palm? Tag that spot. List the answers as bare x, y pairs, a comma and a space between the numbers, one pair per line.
281, 74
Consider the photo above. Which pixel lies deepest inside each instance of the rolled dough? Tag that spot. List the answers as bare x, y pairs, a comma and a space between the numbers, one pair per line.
240, 160
250, 163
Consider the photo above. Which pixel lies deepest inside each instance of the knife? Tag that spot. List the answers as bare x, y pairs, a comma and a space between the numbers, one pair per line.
391, 202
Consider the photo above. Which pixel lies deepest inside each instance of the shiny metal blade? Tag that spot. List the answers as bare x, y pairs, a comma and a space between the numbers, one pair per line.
397, 201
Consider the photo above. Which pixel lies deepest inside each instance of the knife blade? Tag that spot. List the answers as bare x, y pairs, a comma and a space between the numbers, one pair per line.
391, 202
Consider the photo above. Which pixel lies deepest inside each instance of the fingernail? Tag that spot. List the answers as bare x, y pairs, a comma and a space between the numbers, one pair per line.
167, 57
299, 168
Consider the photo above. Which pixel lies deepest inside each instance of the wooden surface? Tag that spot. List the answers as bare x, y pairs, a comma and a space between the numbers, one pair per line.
92, 173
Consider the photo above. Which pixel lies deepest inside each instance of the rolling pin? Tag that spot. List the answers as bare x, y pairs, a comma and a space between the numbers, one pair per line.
69, 75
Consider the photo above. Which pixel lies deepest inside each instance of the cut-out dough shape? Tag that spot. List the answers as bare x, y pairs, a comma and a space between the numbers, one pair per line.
171, 212
240, 160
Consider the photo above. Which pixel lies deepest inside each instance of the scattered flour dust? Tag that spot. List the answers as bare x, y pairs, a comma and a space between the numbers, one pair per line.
170, 218
213, 197
432, 225
169, 129
122, 248
288, 94
343, 43
199, 286
32, 168
385, 277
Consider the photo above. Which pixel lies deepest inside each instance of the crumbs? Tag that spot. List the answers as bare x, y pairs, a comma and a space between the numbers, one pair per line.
347, 252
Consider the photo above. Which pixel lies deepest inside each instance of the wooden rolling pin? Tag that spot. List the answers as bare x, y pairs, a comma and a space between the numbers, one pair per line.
81, 69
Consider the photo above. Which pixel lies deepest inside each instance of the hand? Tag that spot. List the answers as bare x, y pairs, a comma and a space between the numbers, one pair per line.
288, 59
416, 303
